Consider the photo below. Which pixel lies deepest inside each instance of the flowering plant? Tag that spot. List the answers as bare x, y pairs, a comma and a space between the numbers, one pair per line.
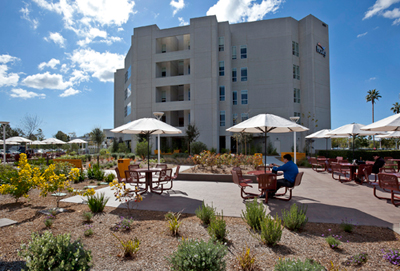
125, 194
125, 223
392, 255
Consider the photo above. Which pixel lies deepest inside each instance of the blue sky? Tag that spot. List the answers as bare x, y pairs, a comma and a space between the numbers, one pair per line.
57, 58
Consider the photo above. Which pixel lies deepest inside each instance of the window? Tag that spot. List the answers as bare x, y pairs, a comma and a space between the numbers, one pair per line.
221, 44
233, 52
163, 72
243, 51
222, 93
234, 118
221, 68
128, 109
234, 98
234, 75
245, 116
189, 45
189, 94
243, 96
128, 74
295, 48
188, 69
128, 92
222, 118
296, 95
163, 96
181, 122
164, 48
243, 74
296, 72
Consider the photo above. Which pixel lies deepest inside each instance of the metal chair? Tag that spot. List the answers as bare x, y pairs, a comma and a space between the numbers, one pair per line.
389, 183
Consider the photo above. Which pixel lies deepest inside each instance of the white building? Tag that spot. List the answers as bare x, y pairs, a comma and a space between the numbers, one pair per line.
215, 74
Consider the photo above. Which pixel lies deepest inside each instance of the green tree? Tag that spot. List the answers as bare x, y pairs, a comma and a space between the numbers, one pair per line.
62, 136
97, 136
396, 108
39, 135
142, 149
10, 132
114, 146
373, 96
192, 133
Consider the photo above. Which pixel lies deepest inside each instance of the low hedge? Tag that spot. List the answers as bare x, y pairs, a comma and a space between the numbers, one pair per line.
364, 154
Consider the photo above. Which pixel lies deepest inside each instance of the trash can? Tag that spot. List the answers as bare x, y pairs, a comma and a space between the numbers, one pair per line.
123, 164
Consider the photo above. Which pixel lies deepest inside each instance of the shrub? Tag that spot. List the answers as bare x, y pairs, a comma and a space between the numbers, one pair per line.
125, 223
81, 177
271, 230
217, 228
293, 265
88, 231
246, 260
333, 241
296, 218
173, 222
141, 148
48, 252
129, 247
97, 203
205, 213
110, 177
49, 221
99, 174
254, 214
87, 216
357, 259
392, 255
62, 168
346, 225
197, 147
198, 255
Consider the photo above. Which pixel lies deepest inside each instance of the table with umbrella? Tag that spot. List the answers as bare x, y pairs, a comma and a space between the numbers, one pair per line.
53, 141
147, 126
77, 141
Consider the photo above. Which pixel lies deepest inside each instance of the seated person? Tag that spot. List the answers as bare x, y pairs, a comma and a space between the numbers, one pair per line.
290, 171
379, 162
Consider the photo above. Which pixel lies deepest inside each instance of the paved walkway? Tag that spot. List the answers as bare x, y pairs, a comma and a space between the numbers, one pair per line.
328, 200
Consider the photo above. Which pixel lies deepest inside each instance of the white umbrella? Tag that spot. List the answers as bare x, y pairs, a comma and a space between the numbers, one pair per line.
267, 123
146, 126
53, 141
77, 141
391, 134
37, 142
391, 123
17, 139
323, 134
353, 129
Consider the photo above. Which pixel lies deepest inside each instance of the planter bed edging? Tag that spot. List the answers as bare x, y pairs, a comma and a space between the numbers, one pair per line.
210, 177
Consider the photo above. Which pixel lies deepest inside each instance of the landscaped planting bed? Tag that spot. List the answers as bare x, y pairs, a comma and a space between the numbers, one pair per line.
157, 243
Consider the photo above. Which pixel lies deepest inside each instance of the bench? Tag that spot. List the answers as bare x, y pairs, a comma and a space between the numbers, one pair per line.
297, 182
316, 165
76, 162
388, 183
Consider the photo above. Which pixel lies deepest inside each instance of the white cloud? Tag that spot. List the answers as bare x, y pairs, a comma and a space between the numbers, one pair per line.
25, 15
46, 80
56, 38
100, 65
69, 92
177, 5
120, 29
362, 35
52, 64
182, 21
236, 11
372, 78
379, 7
23, 94
64, 68
7, 79
92, 34
78, 76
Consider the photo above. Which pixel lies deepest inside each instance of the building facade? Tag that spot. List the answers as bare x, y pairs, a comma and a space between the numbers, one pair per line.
215, 74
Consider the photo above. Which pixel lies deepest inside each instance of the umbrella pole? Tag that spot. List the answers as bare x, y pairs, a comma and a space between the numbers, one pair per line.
148, 150
353, 147
265, 151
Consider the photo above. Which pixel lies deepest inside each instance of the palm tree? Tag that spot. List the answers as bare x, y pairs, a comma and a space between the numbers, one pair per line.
373, 95
396, 108
97, 136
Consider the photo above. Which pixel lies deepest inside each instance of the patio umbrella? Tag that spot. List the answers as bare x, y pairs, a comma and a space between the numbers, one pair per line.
391, 134
17, 139
147, 126
53, 141
391, 123
267, 123
77, 141
323, 134
353, 130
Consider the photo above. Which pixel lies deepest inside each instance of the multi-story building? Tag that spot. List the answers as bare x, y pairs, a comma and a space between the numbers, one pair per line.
215, 74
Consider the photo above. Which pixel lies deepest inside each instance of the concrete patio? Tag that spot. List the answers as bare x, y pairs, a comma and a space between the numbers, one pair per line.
328, 200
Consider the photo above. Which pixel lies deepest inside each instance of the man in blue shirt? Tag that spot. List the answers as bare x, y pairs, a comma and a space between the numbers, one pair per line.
290, 171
